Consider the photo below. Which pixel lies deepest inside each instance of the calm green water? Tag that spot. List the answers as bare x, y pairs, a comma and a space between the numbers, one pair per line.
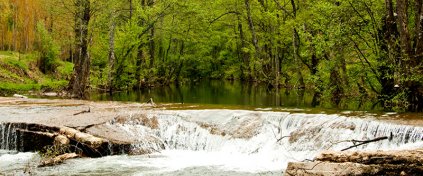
216, 92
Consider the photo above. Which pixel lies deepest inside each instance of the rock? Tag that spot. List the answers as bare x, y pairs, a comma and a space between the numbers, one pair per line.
328, 169
20, 96
147, 145
375, 157
404, 162
33, 140
50, 94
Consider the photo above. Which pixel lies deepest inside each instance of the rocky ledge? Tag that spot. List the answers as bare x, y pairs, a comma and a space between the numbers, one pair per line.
331, 163
66, 127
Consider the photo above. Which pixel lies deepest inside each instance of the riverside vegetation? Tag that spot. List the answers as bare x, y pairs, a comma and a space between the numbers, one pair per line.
363, 49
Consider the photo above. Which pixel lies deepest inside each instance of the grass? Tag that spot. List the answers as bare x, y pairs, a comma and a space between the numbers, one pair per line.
19, 74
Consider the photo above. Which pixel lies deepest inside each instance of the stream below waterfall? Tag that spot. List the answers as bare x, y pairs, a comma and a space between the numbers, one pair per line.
222, 142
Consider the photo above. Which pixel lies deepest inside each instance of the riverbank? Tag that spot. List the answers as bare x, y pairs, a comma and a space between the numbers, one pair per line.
19, 73
250, 136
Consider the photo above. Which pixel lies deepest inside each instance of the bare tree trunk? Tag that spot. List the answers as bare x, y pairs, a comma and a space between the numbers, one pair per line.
402, 11
2, 39
252, 28
14, 28
111, 54
152, 47
26, 33
392, 49
80, 79
419, 30
296, 45
138, 65
245, 57
130, 9
181, 64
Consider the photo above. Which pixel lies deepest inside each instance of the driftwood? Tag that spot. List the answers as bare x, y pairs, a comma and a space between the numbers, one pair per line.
364, 142
330, 163
151, 102
85, 138
20, 96
378, 157
58, 159
84, 111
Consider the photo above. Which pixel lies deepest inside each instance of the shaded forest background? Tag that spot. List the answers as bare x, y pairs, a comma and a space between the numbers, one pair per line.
366, 49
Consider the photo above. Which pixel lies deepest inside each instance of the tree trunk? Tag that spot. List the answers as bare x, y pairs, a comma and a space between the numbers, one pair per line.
14, 30
296, 44
297, 60
389, 45
111, 54
130, 9
152, 47
80, 79
244, 55
419, 31
138, 65
402, 11
252, 29
181, 64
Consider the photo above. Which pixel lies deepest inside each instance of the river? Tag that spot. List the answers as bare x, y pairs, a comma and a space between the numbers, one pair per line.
236, 94
220, 131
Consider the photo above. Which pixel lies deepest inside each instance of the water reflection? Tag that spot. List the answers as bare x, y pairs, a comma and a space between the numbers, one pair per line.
226, 93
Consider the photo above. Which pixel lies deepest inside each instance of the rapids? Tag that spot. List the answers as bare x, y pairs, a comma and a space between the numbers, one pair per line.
221, 142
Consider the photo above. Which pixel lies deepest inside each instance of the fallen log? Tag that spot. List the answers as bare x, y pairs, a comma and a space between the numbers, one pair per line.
61, 140
331, 163
414, 157
85, 138
320, 168
58, 159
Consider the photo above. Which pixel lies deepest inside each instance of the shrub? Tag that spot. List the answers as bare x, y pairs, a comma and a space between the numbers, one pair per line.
48, 49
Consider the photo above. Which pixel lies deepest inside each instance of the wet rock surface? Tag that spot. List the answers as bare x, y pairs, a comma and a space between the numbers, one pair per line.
404, 162
34, 124
96, 129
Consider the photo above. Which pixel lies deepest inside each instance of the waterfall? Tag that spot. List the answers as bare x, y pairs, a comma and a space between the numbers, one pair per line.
276, 136
9, 137
229, 141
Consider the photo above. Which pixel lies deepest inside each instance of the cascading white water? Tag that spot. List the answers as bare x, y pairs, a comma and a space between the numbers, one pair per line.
230, 142
271, 138
9, 138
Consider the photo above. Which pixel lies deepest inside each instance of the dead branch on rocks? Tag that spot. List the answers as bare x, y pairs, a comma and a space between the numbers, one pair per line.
84, 111
364, 142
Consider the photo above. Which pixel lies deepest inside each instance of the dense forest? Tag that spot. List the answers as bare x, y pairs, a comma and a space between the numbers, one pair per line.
369, 49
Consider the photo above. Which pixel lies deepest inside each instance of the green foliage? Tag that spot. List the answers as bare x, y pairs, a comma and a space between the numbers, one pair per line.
337, 48
52, 151
18, 73
64, 70
49, 51
399, 103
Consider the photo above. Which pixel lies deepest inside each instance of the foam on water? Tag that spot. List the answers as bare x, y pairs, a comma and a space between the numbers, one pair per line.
231, 142
15, 163
250, 141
